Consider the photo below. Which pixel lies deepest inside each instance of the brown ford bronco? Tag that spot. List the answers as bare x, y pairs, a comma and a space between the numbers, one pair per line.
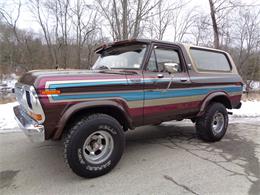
133, 83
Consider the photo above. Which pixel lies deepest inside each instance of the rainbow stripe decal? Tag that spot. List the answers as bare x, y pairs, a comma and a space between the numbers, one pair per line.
135, 98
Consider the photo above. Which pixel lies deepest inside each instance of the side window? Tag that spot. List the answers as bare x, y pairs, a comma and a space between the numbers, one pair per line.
152, 66
209, 60
160, 57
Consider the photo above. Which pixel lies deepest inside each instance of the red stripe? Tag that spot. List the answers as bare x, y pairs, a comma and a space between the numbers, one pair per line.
164, 108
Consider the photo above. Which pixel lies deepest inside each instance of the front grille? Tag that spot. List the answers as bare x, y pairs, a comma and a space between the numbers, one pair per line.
28, 99
19, 92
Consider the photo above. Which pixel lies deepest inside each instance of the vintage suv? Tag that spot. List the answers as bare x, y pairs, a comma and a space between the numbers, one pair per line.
133, 83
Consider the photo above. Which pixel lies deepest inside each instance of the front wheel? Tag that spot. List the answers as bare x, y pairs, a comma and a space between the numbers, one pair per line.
212, 126
94, 145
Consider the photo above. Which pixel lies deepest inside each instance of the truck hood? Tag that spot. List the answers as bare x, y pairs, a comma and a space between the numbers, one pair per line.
38, 76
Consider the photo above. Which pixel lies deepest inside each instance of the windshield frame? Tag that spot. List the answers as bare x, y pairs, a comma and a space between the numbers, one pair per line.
147, 48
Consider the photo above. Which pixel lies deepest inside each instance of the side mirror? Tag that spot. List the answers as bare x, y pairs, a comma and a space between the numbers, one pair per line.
171, 67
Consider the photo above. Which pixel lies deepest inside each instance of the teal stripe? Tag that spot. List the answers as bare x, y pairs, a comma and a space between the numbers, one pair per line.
149, 95
86, 84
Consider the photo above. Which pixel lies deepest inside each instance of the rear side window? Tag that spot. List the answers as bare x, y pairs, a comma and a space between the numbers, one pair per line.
210, 60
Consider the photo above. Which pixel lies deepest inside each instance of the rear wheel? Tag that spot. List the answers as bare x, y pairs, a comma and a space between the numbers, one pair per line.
213, 124
94, 145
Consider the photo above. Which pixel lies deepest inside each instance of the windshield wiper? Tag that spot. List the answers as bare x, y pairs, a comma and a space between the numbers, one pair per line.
103, 67
118, 72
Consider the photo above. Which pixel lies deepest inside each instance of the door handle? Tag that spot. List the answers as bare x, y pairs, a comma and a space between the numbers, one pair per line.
183, 80
135, 80
160, 76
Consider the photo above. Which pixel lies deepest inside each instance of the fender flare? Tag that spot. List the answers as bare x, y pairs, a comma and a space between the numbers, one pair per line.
74, 109
210, 97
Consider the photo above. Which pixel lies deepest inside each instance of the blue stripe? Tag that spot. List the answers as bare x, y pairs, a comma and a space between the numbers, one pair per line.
134, 96
86, 84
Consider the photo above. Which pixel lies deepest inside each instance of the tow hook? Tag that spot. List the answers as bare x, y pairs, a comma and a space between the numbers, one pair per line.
231, 113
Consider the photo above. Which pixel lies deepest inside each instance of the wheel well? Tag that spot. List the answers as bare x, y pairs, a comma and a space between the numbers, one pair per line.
109, 110
223, 100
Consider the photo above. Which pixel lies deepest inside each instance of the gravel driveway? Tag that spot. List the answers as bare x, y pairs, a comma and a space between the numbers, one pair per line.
167, 159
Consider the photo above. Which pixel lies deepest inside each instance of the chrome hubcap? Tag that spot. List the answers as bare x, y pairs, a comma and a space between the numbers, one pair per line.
98, 147
217, 122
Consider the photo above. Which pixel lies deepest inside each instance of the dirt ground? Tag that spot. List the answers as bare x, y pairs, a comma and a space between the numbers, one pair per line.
251, 96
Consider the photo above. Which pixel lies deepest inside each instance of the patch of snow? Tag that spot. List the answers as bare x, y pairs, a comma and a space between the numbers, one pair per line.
10, 83
249, 109
7, 121
9, 80
253, 120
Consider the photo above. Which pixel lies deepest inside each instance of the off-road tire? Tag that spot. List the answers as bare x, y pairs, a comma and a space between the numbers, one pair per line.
80, 132
204, 124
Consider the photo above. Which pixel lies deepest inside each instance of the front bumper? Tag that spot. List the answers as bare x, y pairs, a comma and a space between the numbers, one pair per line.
30, 127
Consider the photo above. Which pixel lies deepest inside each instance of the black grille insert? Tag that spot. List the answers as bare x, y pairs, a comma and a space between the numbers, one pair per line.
28, 99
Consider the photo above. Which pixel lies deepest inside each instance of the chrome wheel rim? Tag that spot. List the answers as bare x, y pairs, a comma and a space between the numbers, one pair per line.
218, 123
98, 147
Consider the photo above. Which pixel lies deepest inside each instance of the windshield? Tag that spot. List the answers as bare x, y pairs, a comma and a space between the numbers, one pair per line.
121, 57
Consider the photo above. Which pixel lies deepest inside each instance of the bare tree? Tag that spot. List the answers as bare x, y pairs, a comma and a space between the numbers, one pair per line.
201, 30
219, 9
84, 27
10, 18
36, 8
247, 34
182, 23
54, 16
160, 19
63, 8
130, 13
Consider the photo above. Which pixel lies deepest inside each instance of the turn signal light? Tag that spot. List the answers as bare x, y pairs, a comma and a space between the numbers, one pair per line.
37, 117
50, 92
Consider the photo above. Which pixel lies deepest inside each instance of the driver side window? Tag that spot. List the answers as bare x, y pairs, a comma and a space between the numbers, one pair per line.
160, 57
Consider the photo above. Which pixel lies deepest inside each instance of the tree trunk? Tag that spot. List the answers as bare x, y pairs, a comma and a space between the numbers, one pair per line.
214, 23
124, 18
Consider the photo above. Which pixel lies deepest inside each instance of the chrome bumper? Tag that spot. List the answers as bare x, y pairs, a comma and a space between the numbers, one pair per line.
30, 127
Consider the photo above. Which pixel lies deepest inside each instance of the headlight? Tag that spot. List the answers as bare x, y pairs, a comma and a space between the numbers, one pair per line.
28, 99
34, 105
33, 97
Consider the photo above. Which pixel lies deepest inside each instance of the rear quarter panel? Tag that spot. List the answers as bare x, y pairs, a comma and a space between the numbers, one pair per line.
216, 81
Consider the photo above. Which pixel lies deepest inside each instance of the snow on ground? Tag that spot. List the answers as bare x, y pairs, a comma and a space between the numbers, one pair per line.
9, 80
10, 83
250, 111
7, 121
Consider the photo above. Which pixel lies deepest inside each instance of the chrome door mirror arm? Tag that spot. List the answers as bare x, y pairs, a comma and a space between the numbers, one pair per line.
170, 83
